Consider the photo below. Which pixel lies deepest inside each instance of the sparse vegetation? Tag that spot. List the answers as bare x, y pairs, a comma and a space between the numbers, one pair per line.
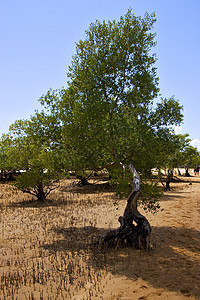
46, 248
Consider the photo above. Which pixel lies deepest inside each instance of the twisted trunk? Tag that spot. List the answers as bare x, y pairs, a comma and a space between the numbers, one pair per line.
136, 236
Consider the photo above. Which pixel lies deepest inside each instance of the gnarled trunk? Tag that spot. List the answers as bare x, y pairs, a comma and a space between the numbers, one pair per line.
136, 236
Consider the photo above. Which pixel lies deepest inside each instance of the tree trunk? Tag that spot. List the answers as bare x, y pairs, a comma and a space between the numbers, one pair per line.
169, 179
40, 193
83, 180
136, 236
187, 174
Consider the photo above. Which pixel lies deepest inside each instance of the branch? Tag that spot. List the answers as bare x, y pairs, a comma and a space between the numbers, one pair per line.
50, 190
29, 192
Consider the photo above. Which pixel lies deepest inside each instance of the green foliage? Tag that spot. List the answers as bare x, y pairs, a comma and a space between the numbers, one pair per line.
112, 81
4, 146
151, 192
28, 147
107, 110
176, 151
37, 181
150, 195
167, 112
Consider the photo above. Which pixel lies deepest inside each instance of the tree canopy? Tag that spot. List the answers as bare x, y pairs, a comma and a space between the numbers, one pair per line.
107, 110
28, 148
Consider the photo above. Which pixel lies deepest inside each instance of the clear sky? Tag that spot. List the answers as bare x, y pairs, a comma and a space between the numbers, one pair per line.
37, 41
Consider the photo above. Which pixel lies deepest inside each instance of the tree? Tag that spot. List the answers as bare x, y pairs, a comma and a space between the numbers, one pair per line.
5, 167
3, 152
112, 83
107, 111
105, 118
31, 149
38, 179
176, 151
170, 156
190, 156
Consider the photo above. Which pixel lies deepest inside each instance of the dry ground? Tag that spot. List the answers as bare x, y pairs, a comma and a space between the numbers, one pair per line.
44, 251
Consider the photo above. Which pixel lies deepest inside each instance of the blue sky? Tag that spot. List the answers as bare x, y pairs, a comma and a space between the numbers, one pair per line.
37, 41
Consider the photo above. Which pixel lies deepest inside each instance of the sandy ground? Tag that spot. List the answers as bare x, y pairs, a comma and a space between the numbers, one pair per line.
44, 252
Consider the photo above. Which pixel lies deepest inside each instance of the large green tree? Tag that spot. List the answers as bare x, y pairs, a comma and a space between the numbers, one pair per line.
112, 82
107, 111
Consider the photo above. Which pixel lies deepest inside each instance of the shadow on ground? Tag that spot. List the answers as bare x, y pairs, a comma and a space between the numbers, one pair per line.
37, 204
172, 264
93, 188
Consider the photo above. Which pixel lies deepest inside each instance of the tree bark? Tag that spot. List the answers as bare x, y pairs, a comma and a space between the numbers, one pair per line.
169, 179
128, 234
40, 192
187, 174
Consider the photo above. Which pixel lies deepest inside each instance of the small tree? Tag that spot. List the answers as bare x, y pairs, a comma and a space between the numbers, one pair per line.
31, 150
190, 158
40, 174
176, 151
